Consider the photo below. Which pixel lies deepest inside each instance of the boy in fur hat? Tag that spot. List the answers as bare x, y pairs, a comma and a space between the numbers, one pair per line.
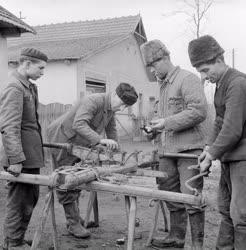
182, 110
227, 141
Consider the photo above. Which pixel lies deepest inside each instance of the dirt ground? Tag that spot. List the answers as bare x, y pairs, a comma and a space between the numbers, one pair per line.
113, 217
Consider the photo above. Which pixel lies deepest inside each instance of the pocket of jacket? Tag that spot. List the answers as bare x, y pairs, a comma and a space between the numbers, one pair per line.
175, 105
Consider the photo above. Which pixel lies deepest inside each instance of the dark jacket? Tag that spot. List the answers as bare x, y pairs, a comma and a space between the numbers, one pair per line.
19, 126
86, 122
228, 139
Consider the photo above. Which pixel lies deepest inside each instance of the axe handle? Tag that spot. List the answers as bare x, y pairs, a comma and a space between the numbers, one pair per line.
65, 146
178, 155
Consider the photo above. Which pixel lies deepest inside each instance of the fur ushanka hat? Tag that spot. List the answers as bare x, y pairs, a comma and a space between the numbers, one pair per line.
153, 51
203, 49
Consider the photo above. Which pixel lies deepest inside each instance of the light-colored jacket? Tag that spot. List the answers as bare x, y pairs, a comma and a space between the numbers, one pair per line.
183, 105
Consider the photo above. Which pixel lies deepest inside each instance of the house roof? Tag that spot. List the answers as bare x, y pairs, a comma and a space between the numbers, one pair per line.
77, 39
68, 49
8, 21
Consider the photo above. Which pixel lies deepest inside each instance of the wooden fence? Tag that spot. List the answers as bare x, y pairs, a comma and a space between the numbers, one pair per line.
50, 112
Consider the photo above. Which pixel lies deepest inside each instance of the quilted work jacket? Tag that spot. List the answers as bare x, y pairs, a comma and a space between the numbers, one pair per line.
183, 105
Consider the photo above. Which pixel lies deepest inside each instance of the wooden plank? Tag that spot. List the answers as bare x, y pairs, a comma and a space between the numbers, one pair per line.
164, 212
144, 192
42, 180
131, 222
53, 220
127, 206
96, 210
153, 228
89, 207
150, 173
43, 219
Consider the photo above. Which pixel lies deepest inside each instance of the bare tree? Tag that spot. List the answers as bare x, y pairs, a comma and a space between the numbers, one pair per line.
196, 11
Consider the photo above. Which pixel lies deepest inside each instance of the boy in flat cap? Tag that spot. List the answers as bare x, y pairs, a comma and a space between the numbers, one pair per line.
85, 125
21, 150
227, 141
182, 110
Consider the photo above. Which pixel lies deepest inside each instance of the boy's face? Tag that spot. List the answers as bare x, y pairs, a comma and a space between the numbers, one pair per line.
210, 72
35, 70
159, 68
117, 104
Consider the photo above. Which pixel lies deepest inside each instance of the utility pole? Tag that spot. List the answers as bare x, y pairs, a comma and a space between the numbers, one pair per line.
21, 17
233, 58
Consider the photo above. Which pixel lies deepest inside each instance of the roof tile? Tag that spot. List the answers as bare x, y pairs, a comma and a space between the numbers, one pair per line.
74, 39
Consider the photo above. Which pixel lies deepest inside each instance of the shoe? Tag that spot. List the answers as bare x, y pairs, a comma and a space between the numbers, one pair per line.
176, 237
74, 226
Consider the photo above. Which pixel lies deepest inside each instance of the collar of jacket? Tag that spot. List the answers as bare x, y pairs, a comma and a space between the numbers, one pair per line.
22, 79
171, 75
218, 84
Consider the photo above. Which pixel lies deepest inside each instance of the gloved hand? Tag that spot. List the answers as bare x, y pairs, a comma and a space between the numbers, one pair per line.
109, 143
15, 169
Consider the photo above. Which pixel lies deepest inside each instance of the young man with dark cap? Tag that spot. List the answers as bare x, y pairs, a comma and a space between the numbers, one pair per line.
182, 110
227, 141
84, 124
21, 150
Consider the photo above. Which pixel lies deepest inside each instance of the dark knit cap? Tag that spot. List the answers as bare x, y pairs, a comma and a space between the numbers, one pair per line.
153, 51
203, 49
127, 93
34, 53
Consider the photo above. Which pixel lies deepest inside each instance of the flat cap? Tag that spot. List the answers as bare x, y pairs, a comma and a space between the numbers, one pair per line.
34, 53
153, 51
127, 93
203, 49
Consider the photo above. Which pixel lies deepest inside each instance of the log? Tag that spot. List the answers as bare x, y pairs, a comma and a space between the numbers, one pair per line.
72, 180
42, 180
149, 193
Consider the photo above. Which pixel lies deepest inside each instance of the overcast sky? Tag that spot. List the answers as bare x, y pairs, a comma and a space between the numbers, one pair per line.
226, 21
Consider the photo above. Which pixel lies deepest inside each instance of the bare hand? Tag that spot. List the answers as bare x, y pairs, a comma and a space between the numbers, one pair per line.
157, 124
109, 143
15, 169
205, 160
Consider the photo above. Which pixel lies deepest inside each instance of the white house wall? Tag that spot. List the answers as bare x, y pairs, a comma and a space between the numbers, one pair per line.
58, 84
122, 63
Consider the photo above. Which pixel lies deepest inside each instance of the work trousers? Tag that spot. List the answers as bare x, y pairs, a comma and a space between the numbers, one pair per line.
65, 196
232, 206
178, 173
21, 200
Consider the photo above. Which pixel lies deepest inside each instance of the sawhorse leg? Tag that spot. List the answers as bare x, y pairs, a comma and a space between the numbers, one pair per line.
92, 203
158, 204
131, 209
49, 204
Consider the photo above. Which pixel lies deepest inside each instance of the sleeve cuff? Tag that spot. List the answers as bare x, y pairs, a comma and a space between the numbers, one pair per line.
213, 156
16, 159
